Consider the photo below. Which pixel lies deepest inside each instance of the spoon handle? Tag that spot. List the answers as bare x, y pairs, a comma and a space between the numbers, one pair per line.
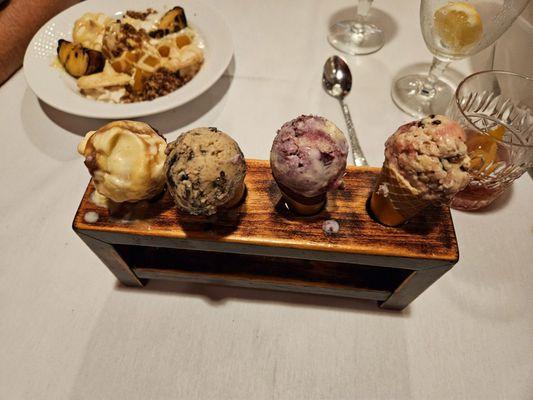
358, 157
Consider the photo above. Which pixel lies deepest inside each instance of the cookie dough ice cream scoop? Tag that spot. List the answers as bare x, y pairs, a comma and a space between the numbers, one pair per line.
126, 160
426, 162
308, 158
205, 171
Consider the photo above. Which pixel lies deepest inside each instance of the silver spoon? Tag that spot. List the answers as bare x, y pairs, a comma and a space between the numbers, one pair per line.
337, 82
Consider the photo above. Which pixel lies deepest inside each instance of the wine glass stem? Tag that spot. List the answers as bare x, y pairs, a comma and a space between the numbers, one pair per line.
438, 67
362, 9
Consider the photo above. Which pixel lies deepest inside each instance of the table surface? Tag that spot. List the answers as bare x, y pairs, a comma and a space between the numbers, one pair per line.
69, 331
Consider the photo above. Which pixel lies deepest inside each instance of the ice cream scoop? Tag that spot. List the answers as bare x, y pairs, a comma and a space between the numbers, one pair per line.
205, 171
126, 160
308, 158
426, 162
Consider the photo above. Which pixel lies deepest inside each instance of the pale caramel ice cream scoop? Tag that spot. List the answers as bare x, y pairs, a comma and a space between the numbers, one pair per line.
126, 160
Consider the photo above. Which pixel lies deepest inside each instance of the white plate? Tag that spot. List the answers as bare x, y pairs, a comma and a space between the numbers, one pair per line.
55, 87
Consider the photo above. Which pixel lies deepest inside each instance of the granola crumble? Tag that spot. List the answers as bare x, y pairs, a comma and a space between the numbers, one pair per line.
141, 15
161, 83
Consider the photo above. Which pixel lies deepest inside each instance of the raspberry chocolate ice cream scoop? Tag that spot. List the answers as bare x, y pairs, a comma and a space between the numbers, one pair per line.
125, 159
426, 162
205, 171
308, 158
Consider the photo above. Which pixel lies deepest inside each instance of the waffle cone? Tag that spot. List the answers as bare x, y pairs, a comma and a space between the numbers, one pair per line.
302, 205
401, 201
304, 209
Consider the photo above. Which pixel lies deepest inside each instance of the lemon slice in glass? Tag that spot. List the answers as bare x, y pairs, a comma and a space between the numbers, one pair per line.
458, 24
483, 150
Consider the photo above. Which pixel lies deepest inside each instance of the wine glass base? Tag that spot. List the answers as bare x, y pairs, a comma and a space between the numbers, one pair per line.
475, 196
410, 95
466, 205
353, 37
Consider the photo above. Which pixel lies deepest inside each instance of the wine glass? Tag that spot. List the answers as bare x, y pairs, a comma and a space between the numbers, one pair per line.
495, 109
452, 31
357, 36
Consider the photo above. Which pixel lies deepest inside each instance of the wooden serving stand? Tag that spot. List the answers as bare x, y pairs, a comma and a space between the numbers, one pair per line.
260, 244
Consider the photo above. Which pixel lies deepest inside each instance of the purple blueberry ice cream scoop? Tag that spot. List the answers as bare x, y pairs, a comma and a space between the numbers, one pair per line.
308, 156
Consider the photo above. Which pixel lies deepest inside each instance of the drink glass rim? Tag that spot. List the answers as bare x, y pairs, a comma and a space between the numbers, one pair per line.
471, 125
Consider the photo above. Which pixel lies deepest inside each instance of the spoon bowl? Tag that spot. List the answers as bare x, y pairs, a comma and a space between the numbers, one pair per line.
337, 77
337, 82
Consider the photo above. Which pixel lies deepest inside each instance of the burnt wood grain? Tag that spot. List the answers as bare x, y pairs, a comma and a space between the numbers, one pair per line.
261, 244
263, 221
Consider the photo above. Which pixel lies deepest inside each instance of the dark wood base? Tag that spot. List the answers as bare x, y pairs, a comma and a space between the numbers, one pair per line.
262, 245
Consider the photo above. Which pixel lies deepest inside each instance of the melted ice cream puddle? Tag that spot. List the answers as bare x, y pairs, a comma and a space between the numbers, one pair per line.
91, 217
99, 200
330, 227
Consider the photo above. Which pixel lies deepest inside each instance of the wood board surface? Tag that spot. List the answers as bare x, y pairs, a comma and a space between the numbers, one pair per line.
262, 225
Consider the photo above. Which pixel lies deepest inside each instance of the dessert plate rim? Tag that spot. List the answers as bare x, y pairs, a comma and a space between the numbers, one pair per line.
55, 87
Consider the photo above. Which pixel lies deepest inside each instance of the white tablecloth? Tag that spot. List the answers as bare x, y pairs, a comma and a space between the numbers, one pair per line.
68, 331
